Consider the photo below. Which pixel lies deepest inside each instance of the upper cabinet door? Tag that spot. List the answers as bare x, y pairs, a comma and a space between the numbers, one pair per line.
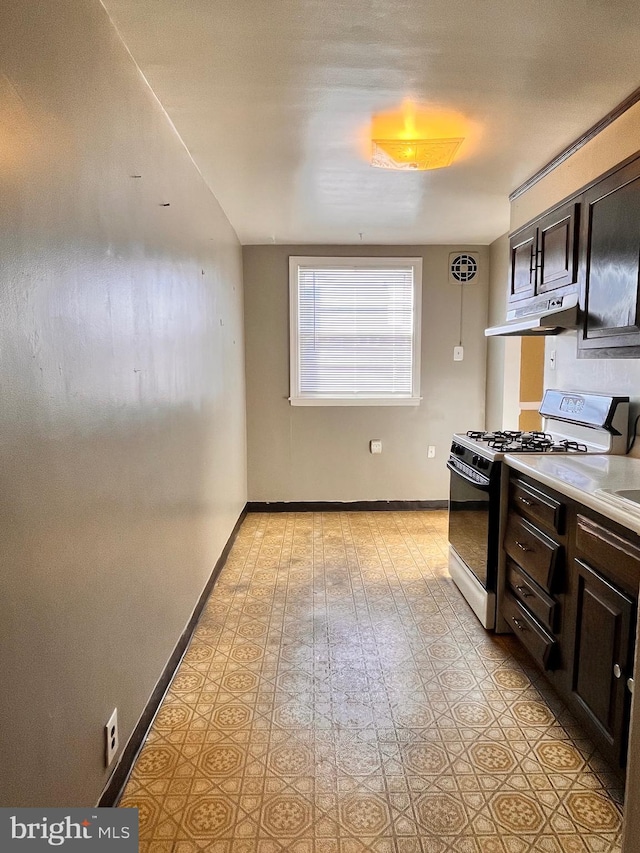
544, 254
610, 266
522, 275
557, 264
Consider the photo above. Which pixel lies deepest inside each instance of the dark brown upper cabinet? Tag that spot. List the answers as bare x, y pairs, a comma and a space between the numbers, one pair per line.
609, 267
544, 254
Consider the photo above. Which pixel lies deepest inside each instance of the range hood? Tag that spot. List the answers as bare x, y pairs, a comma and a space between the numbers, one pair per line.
540, 316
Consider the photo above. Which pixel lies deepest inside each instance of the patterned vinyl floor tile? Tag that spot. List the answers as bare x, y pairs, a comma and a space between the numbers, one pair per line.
339, 696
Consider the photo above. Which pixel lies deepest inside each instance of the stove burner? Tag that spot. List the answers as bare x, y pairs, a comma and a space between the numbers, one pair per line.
476, 433
500, 442
535, 442
503, 435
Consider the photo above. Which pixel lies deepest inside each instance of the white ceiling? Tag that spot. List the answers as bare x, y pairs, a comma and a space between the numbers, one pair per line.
275, 100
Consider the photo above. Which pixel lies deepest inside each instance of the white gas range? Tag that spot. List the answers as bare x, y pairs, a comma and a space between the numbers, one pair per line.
573, 422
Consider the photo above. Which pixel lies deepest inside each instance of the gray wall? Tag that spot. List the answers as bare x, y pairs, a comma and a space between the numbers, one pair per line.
322, 453
122, 429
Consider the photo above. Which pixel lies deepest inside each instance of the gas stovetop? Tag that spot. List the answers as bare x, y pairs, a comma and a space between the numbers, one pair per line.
513, 441
573, 422
479, 450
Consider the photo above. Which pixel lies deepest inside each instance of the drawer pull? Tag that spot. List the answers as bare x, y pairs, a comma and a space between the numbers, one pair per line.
524, 592
630, 684
616, 670
519, 625
525, 501
523, 547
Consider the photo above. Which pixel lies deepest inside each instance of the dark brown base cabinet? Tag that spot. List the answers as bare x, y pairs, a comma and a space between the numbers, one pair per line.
570, 597
601, 653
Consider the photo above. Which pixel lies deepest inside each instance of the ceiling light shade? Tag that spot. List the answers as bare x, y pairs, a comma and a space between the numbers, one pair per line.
417, 154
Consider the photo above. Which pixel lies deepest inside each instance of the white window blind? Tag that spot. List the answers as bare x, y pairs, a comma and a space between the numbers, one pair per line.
355, 331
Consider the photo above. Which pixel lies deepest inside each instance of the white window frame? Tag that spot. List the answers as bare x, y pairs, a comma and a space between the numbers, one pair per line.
298, 399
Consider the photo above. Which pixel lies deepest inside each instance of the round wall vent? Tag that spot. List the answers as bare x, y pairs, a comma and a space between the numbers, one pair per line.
463, 268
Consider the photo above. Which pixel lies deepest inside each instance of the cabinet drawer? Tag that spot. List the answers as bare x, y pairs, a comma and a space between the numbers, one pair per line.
535, 504
618, 557
536, 553
530, 595
532, 635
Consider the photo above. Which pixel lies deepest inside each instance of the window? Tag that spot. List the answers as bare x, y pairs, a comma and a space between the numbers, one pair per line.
355, 331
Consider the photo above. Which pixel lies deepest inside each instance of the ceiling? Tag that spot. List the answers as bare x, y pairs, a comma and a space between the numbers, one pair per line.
276, 102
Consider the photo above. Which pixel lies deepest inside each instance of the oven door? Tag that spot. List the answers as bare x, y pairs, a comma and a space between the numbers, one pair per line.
472, 507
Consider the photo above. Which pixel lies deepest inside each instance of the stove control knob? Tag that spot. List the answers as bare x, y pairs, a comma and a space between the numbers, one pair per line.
475, 461
457, 449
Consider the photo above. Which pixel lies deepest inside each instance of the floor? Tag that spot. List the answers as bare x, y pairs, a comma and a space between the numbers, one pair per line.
339, 696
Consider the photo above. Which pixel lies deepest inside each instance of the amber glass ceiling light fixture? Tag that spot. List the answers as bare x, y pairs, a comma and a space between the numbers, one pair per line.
417, 138
418, 154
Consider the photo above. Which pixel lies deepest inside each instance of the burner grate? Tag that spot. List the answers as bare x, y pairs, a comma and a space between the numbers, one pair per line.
566, 446
533, 441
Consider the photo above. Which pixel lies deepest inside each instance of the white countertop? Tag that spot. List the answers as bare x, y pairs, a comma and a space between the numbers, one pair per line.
588, 479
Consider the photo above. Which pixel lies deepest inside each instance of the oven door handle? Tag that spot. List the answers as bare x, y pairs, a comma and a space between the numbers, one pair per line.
483, 486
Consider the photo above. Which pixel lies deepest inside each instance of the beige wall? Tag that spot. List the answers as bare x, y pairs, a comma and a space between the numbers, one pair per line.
498, 276
620, 376
122, 426
322, 453
612, 145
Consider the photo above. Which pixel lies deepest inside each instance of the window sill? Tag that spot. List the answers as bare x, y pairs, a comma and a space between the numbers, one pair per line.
355, 401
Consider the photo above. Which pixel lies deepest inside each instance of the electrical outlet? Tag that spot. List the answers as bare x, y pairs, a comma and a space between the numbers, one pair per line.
458, 353
431, 451
111, 738
375, 445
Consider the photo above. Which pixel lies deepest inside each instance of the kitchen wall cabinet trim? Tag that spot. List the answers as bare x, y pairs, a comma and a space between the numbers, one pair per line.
571, 149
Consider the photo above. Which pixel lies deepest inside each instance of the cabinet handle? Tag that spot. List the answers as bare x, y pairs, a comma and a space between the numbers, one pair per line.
522, 547
617, 671
630, 684
526, 502
518, 624
532, 263
524, 592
